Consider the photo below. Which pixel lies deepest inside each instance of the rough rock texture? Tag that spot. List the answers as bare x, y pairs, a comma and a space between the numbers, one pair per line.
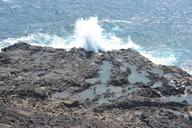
46, 87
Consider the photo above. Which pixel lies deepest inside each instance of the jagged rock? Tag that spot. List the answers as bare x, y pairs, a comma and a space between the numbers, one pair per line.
46, 87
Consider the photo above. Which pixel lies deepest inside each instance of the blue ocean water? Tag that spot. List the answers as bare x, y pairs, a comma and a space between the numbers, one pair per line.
159, 29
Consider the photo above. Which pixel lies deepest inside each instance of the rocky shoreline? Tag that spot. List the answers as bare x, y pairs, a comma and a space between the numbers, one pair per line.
42, 87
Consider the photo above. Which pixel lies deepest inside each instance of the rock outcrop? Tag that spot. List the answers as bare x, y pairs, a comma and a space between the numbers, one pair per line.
43, 87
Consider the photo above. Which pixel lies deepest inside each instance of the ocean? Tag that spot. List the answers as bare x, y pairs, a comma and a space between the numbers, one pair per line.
160, 30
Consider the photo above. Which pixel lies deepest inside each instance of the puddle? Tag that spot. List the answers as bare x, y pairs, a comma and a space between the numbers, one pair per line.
157, 84
102, 93
168, 76
105, 72
182, 98
158, 72
98, 89
136, 76
112, 94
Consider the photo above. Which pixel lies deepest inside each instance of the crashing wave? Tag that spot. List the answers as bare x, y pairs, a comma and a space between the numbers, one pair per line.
89, 34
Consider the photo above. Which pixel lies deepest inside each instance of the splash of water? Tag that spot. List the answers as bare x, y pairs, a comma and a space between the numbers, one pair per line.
88, 34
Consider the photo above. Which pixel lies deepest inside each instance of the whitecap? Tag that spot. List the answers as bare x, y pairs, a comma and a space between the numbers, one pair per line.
117, 21
160, 57
7, 1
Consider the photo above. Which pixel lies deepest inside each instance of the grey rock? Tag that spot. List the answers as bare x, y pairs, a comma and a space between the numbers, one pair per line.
46, 87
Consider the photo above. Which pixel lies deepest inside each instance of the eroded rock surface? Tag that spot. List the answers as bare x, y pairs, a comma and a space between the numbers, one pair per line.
45, 87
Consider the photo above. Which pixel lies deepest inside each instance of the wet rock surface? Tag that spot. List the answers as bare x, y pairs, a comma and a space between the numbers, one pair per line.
43, 87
